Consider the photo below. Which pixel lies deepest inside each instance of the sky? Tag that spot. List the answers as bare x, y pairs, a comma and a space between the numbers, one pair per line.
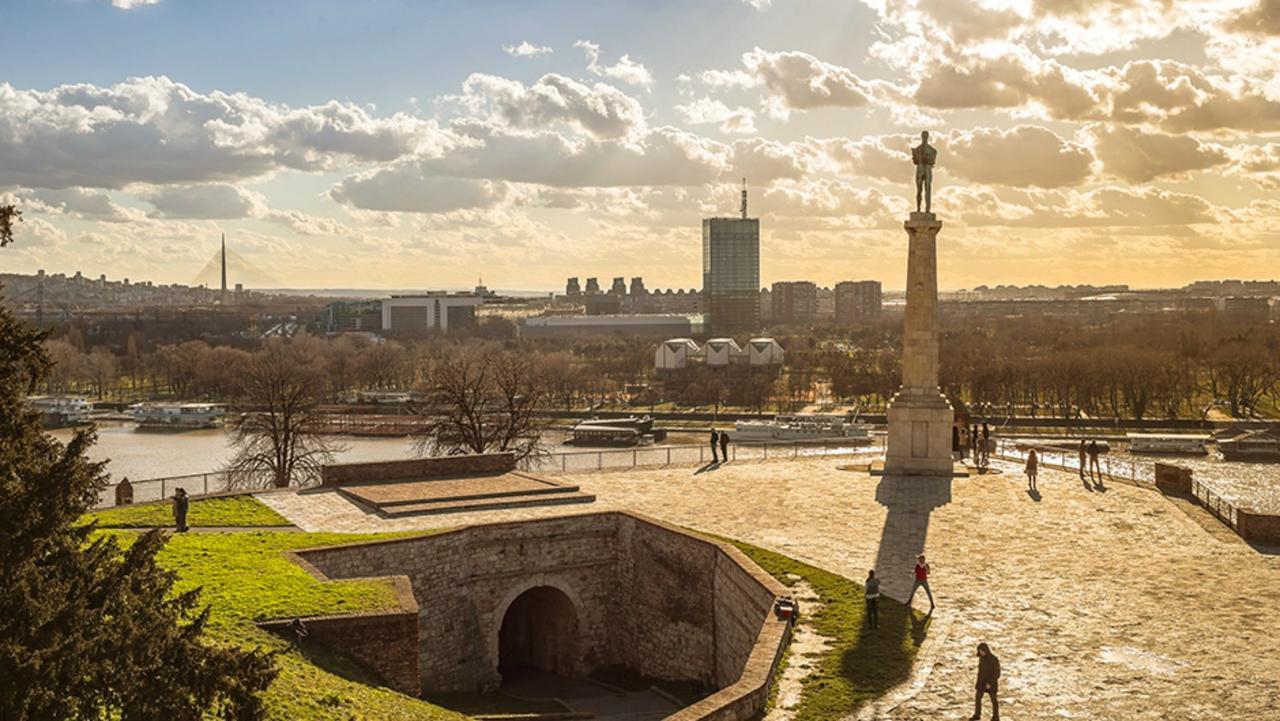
435, 143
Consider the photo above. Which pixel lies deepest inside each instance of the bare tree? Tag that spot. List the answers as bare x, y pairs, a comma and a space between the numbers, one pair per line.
277, 442
483, 400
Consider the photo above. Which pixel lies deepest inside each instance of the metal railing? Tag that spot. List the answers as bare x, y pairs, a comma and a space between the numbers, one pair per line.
1138, 473
196, 484
1119, 469
159, 489
1220, 507
693, 454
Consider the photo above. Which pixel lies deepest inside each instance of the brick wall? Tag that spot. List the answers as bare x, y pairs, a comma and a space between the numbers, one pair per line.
661, 601
1258, 528
385, 642
417, 468
1173, 479
666, 626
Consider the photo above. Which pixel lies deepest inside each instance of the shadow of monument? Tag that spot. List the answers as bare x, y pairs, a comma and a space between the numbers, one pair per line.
883, 657
910, 500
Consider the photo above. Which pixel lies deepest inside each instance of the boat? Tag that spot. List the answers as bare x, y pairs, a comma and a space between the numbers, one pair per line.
801, 427
629, 431
1251, 446
1190, 444
61, 411
178, 416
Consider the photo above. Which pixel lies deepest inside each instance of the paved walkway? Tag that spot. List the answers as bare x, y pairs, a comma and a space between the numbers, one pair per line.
1101, 605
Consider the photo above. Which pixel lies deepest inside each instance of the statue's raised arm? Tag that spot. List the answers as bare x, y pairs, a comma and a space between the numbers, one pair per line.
924, 155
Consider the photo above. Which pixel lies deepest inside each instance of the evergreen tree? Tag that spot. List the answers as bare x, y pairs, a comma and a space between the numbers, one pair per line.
88, 629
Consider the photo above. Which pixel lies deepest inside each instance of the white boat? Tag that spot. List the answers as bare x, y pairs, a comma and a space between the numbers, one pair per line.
800, 427
61, 411
1190, 444
178, 416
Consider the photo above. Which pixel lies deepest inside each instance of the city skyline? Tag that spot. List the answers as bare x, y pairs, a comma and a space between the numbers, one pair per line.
395, 145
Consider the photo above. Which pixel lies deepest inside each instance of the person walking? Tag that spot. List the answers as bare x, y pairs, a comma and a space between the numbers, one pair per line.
715, 442
956, 452
1032, 463
724, 446
873, 599
180, 505
1094, 465
977, 452
988, 683
1084, 451
922, 581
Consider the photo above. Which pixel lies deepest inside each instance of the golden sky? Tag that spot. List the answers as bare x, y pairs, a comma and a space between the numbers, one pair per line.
410, 145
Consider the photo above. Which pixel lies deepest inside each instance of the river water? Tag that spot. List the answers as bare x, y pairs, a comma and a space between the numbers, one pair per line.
140, 454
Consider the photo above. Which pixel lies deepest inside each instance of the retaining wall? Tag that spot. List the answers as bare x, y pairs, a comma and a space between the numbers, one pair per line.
661, 601
336, 474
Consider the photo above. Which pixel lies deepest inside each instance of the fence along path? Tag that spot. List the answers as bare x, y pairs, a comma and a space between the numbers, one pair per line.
199, 484
1138, 473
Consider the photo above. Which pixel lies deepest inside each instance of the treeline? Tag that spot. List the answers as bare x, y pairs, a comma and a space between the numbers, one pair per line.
1136, 367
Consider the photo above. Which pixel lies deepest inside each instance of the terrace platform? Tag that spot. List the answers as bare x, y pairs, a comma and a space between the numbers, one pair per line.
514, 489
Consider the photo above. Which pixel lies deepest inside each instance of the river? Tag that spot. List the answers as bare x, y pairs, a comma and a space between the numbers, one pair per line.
140, 455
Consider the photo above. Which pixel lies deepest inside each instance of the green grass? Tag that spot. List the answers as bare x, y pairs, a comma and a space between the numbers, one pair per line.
860, 664
226, 511
245, 577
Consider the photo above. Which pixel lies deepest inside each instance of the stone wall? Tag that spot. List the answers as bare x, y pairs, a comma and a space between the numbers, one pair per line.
656, 599
1258, 528
386, 642
336, 474
1173, 479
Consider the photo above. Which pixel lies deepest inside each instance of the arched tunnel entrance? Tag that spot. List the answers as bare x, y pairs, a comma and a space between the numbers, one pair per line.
539, 633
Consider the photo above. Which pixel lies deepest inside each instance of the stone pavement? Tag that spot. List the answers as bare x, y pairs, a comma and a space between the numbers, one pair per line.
1101, 605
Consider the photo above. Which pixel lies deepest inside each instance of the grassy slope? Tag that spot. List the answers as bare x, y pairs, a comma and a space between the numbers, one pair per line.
860, 664
227, 511
245, 577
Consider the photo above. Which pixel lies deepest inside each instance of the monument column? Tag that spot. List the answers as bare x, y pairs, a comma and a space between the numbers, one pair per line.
919, 416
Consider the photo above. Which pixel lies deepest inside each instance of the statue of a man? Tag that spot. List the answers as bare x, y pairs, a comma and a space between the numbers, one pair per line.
924, 155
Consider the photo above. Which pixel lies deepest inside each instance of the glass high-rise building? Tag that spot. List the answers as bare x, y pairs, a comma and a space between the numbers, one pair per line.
731, 274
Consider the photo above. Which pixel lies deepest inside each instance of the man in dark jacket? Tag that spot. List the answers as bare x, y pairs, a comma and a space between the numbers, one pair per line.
724, 446
988, 683
715, 443
180, 503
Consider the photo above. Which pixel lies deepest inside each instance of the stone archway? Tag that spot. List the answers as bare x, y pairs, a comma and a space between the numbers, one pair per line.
539, 630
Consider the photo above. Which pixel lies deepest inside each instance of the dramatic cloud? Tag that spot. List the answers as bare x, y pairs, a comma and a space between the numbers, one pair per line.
602, 111
81, 203
1022, 156
705, 111
526, 49
1183, 98
626, 70
208, 201
1104, 207
883, 157
153, 130
799, 81
1262, 19
664, 156
404, 188
1011, 79
1139, 156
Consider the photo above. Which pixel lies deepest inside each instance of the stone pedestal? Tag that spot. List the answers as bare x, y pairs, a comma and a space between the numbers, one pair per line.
920, 417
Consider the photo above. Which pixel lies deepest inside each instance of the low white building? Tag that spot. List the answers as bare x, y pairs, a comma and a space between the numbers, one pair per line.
723, 352
678, 353
764, 352
675, 354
